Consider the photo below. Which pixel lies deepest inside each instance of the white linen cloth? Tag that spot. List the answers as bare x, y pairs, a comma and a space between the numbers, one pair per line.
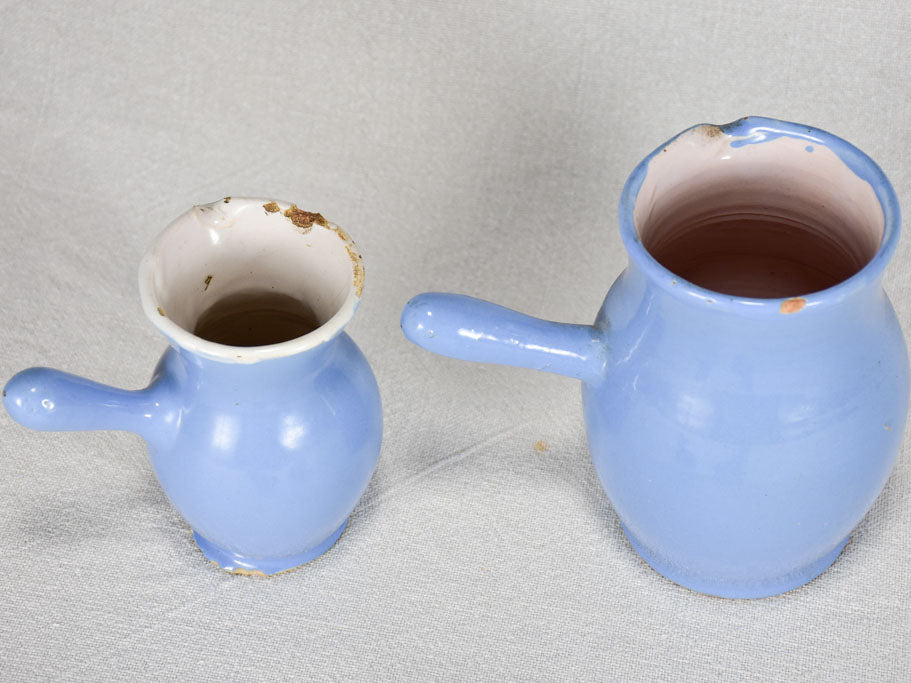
472, 147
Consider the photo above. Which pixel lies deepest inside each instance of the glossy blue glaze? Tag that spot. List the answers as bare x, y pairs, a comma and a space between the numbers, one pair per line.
264, 460
264, 450
738, 444
471, 329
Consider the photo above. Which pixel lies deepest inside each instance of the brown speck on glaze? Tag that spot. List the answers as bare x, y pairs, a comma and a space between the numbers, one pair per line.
227, 200
208, 281
272, 207
540, 446
341, 233
793, 305
258, 573
161, 311
711, 131
247, 572
358, 264
304, 219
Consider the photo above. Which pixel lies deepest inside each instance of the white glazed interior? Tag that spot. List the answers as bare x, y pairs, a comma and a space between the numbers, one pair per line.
216, 250
699, 177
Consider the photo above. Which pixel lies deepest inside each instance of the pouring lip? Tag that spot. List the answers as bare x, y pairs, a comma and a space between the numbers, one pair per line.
758, 130
184, 339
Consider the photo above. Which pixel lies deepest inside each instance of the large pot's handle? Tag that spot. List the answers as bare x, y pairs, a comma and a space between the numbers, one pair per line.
472, 329
51, 400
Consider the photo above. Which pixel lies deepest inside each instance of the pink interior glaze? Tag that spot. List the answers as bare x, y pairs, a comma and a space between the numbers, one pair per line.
775, 219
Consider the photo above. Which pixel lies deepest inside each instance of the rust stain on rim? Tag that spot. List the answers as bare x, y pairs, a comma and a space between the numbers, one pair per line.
710, 131
357, 264
793, 305
304, 219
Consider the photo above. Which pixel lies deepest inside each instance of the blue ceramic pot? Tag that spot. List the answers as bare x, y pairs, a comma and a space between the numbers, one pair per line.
745, 383
265, 449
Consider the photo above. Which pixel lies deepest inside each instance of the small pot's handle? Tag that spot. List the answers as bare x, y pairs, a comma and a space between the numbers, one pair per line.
51, 400
472, 329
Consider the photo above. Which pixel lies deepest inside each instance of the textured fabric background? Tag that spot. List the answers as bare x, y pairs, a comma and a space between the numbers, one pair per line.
476, 147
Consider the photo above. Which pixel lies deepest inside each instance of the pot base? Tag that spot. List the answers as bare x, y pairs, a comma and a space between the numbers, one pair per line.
262, 566
753, 589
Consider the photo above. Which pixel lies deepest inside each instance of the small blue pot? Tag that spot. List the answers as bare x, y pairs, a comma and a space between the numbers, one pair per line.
740, 438
264, 450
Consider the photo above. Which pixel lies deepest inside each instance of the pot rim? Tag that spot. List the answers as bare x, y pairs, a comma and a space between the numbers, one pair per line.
759, 130
226, 210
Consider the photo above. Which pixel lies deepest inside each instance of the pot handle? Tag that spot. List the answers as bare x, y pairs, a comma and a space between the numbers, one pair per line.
472, 329
51, 400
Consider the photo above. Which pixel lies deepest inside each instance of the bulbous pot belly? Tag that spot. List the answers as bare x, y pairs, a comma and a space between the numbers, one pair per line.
275, 473
739, 465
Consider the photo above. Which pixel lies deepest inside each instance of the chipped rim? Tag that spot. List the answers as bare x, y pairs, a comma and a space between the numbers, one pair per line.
762, 129
184, 339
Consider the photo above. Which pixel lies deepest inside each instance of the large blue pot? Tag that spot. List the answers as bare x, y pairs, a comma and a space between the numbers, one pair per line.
739, 438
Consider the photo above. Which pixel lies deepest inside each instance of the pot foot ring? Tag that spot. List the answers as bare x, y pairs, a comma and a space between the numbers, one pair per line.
262, 566
760, 588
